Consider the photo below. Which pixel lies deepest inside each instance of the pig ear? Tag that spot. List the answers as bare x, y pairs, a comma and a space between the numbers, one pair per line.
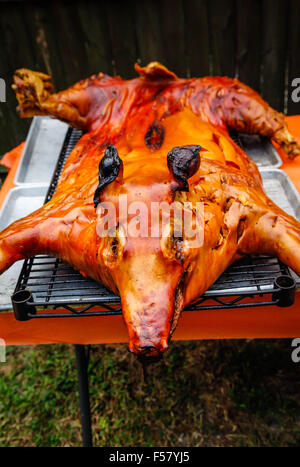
183, 163
109, 168
155, 71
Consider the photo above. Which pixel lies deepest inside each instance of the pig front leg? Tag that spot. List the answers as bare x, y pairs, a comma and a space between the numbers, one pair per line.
35, 234
273, 233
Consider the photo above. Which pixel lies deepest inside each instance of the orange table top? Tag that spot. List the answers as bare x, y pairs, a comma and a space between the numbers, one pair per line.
258, 322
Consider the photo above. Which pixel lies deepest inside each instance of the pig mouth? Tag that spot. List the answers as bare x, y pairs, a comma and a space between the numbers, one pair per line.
153, 356
149, 352
179, 302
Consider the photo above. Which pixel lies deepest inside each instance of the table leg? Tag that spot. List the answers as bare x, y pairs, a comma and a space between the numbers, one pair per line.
84, 400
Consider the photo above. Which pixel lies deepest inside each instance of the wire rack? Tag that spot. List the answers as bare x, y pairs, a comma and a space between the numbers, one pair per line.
46, 284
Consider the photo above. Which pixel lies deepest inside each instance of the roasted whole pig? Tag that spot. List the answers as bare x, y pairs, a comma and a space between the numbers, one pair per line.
154, 139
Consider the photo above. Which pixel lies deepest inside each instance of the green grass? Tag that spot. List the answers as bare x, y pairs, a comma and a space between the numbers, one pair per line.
204, 393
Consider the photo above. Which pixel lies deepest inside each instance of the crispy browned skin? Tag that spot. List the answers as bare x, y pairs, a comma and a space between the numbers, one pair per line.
155, 277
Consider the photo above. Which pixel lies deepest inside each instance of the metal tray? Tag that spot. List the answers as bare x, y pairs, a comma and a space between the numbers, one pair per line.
43, 145
20, 202
261, 150
281, 190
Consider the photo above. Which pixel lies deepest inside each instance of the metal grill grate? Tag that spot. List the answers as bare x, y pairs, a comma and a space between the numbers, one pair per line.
51, 283
72, 138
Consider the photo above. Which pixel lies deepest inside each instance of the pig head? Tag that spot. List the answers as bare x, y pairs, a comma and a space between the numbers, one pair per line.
145, 255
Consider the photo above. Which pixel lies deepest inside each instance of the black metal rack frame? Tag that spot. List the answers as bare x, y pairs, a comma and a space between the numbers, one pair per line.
46, 283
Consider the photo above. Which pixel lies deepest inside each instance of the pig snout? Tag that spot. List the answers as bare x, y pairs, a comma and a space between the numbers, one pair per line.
148, 316
148, 298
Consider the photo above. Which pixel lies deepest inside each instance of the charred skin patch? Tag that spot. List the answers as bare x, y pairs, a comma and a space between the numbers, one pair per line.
173, 248
154, 137
183, 163
111, 247
109, 169
179, 301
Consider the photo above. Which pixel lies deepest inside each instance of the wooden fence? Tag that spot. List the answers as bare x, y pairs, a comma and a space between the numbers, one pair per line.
257, 41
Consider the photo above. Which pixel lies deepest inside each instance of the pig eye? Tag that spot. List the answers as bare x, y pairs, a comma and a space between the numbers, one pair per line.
177, 245
173, 244
112, 246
